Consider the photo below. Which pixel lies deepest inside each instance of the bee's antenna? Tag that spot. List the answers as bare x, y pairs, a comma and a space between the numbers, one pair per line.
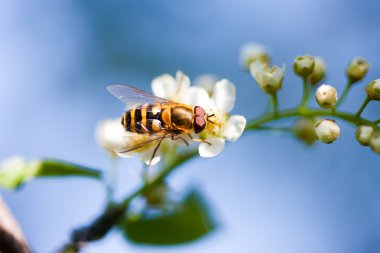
209, 116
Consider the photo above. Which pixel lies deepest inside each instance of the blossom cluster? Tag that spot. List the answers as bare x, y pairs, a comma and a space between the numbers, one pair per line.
311, 69
217, 98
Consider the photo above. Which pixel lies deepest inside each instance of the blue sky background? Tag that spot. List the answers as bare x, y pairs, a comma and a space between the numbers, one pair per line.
269, 192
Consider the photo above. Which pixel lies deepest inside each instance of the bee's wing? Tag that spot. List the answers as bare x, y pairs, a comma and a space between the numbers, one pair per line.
149, 140
134, 97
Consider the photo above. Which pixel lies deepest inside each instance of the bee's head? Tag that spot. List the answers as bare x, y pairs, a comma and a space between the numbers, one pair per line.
200, 119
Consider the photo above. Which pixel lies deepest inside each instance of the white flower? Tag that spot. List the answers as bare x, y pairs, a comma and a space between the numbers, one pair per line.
252, 52
269, 79
326, 96
165, 86
363, 134
220, 103
327, 131
112, 136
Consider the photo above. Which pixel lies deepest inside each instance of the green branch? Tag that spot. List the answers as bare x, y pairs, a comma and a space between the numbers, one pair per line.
113, 213
98, 228
308, 113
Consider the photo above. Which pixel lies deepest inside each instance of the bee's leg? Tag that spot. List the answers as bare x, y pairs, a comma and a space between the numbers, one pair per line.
174, 138
155, 151
198, 140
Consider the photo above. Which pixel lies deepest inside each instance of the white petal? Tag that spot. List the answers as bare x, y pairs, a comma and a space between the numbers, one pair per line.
183, 85
198, 96
206, 150
164, 86
234, 127
110, 134
224, 95
206, 81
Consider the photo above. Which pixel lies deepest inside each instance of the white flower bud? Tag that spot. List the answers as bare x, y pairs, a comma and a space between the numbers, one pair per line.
327, 131
363, 134
303, 65
252, 52
326, 96
373, 90
357, 69
375, 142
269, 79
318, 71
304, 130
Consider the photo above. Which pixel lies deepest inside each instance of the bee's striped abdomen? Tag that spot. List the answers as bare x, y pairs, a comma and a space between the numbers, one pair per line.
143, 119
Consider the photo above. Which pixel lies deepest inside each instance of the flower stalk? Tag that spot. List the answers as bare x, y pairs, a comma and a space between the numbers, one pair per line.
274, 100
344, 94
364, 105
306, 92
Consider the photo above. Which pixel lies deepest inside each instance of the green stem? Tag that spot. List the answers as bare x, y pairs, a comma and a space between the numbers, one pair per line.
344, 94
377, 121
100, 226
361, 109
306, 92
277, 129
308, 113
164, 172
274, 102
111, 178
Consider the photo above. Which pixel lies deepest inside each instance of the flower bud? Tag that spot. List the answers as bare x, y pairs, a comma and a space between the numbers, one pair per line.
357, 69
269, 79
327, 131
304, 130
373, 90
318, 71
303, 65
363, 134
326, 96
375, 142
252, 52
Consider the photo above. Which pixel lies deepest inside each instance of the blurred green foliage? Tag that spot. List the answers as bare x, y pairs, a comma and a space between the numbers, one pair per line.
189, 220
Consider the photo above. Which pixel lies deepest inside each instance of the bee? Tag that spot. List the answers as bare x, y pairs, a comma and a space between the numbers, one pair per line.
158, 118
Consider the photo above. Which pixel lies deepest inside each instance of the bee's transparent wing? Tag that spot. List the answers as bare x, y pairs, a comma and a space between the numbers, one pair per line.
134, 97
149, 140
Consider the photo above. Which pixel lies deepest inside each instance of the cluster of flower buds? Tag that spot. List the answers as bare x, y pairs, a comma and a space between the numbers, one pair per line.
313, 71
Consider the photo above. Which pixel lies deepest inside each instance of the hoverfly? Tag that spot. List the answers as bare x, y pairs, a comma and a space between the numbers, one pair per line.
158, 118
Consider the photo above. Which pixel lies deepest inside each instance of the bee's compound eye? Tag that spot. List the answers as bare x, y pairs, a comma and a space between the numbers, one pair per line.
199, 124
199, 111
